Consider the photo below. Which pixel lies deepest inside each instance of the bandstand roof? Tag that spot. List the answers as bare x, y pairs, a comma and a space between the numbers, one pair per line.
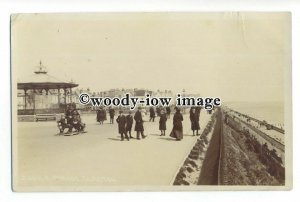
41, 80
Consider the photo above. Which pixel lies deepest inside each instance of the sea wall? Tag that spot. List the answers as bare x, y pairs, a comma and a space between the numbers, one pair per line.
230, 152
191, 169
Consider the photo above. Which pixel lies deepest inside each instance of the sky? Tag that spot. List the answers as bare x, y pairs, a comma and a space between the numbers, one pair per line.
234, 56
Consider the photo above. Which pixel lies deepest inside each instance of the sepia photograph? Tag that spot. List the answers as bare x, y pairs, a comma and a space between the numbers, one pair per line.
151, 101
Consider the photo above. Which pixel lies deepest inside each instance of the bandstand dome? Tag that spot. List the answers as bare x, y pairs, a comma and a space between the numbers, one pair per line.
41, 80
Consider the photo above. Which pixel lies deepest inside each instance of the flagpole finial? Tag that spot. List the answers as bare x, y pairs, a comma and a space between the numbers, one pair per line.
41, 69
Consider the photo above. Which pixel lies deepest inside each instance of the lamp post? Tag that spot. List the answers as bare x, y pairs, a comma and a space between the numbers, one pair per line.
183, 95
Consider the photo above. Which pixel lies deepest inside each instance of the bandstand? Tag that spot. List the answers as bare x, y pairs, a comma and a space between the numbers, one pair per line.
42, 93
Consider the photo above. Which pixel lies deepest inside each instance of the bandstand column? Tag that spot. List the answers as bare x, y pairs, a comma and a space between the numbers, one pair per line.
65, 92
47, 97
33, 101
71, 95
58, 96
25, 99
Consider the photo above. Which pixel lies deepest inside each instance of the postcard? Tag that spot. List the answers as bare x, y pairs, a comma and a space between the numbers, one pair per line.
158, 101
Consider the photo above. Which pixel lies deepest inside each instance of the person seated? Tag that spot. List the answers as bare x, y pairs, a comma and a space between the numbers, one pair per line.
68, 113
62, 124
77, 123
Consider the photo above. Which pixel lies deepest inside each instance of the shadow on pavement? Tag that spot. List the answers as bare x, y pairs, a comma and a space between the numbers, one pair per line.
189, 135
167, 138
155, 134
116, 139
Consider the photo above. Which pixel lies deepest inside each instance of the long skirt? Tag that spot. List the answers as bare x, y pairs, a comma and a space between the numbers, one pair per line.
195, 125
162, 126
178, 134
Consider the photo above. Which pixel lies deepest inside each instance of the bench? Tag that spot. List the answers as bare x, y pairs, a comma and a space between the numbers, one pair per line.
45, 117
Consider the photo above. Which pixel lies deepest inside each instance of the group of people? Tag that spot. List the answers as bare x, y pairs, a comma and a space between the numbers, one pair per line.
125, 122
159, 110
71, 120
101, 115
177, 130
125, 125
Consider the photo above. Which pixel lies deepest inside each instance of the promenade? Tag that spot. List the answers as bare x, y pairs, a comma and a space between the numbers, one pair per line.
98, 157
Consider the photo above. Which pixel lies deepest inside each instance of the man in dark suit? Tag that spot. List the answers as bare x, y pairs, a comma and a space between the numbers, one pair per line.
152, 114
194, 117
129, 122
139, 127
121, 120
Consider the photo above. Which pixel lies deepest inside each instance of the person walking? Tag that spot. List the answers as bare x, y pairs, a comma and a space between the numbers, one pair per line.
104, 112
121, 120
162, 123
177, 131
194, 118
152, 114
158, 109
101, 115
129, 122
168, 111
139, 124
111, 115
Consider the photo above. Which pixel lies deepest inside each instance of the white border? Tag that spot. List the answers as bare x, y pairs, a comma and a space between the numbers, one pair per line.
36, 6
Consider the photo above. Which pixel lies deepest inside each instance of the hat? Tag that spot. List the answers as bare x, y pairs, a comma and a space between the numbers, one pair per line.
120, 111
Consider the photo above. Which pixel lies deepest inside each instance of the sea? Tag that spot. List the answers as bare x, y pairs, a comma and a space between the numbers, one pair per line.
272, 112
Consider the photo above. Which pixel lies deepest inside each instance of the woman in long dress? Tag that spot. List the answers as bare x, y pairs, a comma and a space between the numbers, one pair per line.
162, 123
177, 131
101, 115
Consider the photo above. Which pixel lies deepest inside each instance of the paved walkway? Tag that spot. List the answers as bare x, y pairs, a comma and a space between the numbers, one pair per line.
99, 157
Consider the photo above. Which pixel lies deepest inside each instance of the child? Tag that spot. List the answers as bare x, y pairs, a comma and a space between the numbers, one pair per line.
62, 125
